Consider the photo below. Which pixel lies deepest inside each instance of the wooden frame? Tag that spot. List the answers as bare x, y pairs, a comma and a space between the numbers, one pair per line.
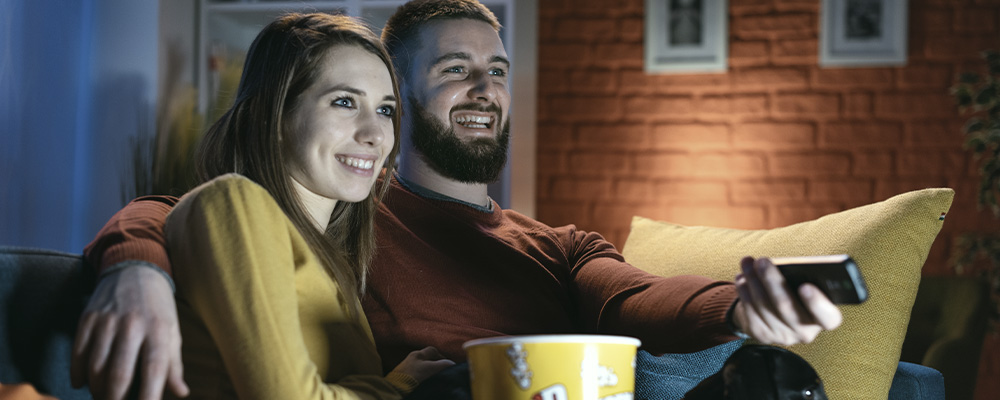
863, 33
685, 36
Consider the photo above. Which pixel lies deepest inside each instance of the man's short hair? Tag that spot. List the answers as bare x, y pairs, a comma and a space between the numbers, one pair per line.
399, 33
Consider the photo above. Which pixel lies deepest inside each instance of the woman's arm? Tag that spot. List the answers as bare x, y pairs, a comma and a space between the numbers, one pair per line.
250, 287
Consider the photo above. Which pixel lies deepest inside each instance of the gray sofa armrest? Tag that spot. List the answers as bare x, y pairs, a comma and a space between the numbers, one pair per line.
42, 294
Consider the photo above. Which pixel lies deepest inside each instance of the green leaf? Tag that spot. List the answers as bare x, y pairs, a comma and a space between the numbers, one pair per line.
963, 97
973, 125
968, 78
986, 96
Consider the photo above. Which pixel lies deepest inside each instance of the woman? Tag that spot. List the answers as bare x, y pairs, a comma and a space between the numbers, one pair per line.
271, 254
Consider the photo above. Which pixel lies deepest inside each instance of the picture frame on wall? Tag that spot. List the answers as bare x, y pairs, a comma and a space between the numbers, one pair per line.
686, 36
863, 33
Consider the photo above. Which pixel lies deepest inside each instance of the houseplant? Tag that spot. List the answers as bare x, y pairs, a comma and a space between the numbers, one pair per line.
978, 94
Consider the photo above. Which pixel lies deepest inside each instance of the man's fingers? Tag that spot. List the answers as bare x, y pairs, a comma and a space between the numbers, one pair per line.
155, 366
100, 347
124, 358
175, 377
80, 355
823, 311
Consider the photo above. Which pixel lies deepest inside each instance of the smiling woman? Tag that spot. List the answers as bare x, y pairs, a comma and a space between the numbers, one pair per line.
273, 249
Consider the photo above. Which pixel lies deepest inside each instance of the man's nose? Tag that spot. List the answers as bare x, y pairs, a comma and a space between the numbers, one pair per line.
483, 87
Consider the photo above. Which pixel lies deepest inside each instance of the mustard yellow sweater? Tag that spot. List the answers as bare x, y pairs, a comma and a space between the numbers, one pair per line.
260, 318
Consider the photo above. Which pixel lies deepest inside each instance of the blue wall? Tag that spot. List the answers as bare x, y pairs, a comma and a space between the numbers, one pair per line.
77, 79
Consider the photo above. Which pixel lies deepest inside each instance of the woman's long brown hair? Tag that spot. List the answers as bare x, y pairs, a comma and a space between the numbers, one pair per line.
281, 64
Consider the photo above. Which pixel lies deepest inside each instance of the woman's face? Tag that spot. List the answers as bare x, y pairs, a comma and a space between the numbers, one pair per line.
340, 132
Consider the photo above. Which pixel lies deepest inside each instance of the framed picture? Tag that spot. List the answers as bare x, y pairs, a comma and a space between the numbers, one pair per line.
863, 33
685, 36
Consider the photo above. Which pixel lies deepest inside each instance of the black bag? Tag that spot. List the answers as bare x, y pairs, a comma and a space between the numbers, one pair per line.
761, 373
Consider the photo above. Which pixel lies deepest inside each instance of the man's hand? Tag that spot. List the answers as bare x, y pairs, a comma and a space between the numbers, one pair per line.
422, 364
130, 322
768, 312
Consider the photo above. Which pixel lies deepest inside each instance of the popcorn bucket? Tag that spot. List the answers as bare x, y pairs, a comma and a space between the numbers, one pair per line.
552, 367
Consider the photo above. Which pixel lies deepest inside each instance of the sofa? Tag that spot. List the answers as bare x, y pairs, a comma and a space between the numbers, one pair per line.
42, 294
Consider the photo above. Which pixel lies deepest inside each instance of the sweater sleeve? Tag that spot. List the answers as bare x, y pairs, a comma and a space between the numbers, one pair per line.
133, 233
237, 258
669, 315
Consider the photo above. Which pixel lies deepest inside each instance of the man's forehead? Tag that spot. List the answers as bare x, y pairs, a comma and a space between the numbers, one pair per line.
475, 38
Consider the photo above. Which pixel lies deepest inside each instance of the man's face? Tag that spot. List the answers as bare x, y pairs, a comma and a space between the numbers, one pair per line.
458, 101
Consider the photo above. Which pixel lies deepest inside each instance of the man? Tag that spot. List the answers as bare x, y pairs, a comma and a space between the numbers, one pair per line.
451, 266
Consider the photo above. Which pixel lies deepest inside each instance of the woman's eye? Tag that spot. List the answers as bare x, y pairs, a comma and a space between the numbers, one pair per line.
344, 102
386, 110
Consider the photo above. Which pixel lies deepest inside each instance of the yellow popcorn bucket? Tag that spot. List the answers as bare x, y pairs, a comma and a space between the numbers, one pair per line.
552, 367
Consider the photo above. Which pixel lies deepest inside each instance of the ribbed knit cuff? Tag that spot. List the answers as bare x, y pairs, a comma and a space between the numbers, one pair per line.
137, 263
404, 383
732, 326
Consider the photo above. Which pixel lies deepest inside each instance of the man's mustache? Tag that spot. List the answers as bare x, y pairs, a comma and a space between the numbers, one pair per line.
492, 108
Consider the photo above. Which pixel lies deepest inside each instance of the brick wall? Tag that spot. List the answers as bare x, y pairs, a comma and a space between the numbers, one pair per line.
773, 141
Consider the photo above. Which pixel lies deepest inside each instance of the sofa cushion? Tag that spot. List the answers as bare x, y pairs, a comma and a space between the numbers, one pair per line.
42, 293
889, 240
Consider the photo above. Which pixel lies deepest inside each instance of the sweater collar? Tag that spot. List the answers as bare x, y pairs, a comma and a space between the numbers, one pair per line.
430, 194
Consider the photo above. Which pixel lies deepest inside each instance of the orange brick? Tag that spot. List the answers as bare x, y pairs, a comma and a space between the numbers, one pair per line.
744, 53
737, 217
593, 81
780, 215
552, 136
914, 105
770, 78
552, 82
619, 54
930, 163
975, 19
689, 136
851, 192
873, 164
664, 165
659, 106
632, 190
562, 56
768, 136
584, 108
940, 134
577, 188
854, 77
810, 164
613, 136
550, 162
807, 104
600, 163
625, 212
637, 80
573, 30
858, 104
728, 165
691, 191
770, 23
957, 47
769, 191
798, 51
856, 135
935, 19
631, 30
928, 76
886, 188
730, 107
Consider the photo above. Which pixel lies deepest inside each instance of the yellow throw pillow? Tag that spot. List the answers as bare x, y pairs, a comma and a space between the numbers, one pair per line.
889, 240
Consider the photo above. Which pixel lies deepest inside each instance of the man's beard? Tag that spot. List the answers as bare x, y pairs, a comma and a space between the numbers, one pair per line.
477, 161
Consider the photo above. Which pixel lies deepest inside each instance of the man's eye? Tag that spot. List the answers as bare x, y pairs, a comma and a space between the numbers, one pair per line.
344, 102
386, 110
498, 72
455, 70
